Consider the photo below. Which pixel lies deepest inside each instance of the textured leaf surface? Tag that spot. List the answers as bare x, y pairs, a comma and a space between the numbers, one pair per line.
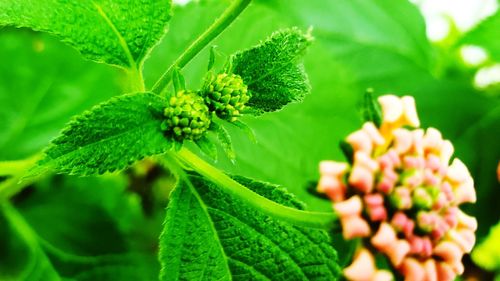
119, 32
272, 70
21, 258
484, 35
209, 235
109, 137
43, 83
358, 45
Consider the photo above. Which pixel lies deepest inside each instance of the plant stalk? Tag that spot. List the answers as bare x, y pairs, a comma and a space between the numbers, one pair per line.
227, 17
296, 217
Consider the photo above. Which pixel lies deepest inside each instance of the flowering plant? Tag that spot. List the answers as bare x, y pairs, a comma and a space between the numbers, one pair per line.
159, 139
402, 197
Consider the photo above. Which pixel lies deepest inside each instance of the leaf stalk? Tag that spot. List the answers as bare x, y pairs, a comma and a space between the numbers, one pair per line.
225, 19
327, 221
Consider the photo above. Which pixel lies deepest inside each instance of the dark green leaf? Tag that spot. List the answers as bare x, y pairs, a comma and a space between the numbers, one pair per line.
109, 137
116, 32
272, 70
371, 109
210, 235
98, 229
93, 214
21, 258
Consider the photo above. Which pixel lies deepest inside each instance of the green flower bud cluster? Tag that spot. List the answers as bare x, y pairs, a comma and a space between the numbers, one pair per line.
226, 95
187, 116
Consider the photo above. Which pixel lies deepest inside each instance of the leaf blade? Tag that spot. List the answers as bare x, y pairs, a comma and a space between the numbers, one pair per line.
116, 32
109, 137
185, 203
272, 71
256, 247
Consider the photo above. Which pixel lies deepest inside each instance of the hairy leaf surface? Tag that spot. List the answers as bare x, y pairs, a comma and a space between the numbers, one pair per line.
272, 70
118, 32
109, 137
212, 236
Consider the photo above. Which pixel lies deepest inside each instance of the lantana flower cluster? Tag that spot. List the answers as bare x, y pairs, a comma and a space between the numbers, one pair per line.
401, 197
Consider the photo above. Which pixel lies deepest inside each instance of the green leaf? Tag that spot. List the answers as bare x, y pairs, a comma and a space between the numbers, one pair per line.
246, 129
109, 137
484, 35
98, 229
178, 80
358, 45
207, 147
116, 32
371, 109
212, 236
224, 139
21, 257
272, 70
42, 84
104, 267
105, 214
487, 254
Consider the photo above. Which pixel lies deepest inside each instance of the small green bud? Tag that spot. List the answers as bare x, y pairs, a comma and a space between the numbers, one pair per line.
226, 95
421, 198
187, 116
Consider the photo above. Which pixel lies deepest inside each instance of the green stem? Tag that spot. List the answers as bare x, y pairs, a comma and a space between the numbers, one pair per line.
291, 215
229, 15
136, 80
16, 170
14, 167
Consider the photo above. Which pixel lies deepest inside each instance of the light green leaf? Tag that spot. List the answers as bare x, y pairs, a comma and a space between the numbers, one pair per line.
484, 35
21, 257
272, 70
209, 235
109, 137
207, 147
42, 84
224, 139
487, 254
116, 32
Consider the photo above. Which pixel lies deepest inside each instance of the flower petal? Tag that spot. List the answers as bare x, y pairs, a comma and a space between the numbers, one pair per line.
332, 168
392, 108
362, 268
354, 226
410, 111
360, 141
412, 270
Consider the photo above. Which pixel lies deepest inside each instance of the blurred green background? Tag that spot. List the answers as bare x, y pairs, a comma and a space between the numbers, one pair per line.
81, 228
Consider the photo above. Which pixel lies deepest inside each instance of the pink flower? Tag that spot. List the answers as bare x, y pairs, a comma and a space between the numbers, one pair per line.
331, 179
349, 212
363, 269
402, 197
